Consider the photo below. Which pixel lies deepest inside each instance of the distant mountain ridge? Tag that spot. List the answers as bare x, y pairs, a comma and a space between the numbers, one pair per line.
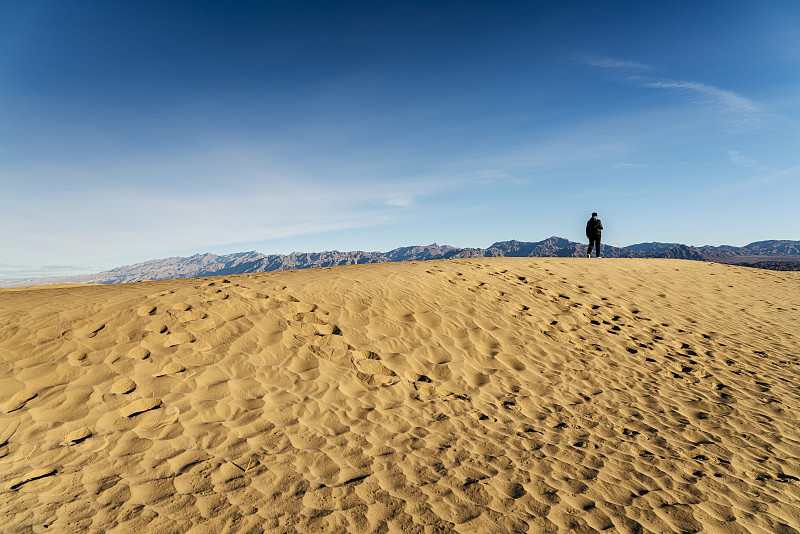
773, 254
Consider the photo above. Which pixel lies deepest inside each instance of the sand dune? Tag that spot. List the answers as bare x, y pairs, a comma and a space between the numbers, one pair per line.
481, 395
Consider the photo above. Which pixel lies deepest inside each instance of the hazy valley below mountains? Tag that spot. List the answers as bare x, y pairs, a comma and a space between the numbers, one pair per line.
773, 254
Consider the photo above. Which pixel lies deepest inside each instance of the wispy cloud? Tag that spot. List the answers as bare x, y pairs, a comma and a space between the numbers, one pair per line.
258, 202
628, 165
611, 63
400, 200
759, 179
727, 99
737, 158
631, 72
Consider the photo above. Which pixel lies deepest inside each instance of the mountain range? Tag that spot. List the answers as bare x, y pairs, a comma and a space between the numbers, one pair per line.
773, 254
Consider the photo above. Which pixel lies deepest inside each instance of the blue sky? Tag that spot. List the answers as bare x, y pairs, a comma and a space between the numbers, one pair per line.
139, 130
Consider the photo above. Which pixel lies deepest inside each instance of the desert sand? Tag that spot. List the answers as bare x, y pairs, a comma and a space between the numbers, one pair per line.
481, 395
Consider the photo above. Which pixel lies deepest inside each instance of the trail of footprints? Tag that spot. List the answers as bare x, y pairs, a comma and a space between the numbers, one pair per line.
597, 315
311, 326
682, 362
156, 333
565, 470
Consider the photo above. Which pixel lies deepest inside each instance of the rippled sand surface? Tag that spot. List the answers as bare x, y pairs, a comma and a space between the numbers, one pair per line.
481, 395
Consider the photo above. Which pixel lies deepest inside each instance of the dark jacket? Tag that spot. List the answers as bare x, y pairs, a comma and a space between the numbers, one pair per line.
593, 227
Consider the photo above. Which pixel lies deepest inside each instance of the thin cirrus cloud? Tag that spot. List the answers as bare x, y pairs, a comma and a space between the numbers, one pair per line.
760, 179
737, 158
256, 205
611, 63
400, 200
628, 165
728, 100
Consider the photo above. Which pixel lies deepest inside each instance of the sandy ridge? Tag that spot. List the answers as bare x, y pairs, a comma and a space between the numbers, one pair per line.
488, 394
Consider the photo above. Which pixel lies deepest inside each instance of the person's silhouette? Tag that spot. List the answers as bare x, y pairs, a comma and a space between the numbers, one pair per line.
594, 229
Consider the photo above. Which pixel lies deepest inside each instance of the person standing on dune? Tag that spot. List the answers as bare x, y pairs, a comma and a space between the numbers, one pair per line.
594, 229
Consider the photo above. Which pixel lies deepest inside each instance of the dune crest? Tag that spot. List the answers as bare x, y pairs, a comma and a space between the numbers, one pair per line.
470, 395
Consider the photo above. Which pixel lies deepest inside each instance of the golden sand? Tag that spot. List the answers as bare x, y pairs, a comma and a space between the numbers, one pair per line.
481, 395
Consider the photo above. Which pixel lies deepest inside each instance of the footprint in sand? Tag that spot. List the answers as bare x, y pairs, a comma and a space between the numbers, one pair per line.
78, 436
307, 308
159, 328
337, 355
171, 369
425, 393
200, 325
190, 315
19, 400
146, 310
139, 353
306, 329
328, 330
180, 338
373, 367
377, 380
306, 317
123, 386
309, 321
416, 377
78, 358
140, 406
218, 295
90, 330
